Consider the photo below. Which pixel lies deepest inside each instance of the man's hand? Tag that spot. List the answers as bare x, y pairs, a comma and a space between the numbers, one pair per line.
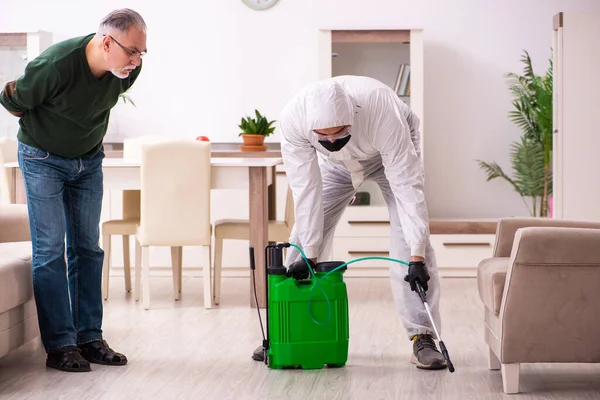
299, 269
9, 90
417, 272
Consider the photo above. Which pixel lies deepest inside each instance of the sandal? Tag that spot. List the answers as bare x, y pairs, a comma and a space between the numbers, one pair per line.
68, 359
100, 353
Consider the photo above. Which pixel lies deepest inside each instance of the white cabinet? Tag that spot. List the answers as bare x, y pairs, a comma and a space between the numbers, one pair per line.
364, 231
576, 142
458, 255
378, 54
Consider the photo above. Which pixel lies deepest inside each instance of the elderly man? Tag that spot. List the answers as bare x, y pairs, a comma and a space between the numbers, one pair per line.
63, 101
337, 134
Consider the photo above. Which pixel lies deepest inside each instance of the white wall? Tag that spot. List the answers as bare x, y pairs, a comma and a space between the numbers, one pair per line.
209, 63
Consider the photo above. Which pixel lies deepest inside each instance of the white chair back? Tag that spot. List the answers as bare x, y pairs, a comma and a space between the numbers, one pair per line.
132, 147
175, 193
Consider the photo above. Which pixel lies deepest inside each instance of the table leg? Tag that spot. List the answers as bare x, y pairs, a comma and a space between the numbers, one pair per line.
259, 202
272, 193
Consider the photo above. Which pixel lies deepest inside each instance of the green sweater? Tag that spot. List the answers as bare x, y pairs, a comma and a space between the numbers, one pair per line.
66, 109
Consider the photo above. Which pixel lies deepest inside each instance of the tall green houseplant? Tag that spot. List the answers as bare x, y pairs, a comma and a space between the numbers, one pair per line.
531, 157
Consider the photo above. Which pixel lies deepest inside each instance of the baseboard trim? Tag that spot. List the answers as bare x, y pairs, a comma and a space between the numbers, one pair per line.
354, 272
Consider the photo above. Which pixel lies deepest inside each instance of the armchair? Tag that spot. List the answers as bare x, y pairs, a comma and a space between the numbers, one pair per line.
541, 291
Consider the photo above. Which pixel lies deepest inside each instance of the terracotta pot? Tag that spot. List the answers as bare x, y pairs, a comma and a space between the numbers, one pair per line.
253, 140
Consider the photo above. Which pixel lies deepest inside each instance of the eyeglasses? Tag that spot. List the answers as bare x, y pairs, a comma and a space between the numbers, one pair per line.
339, 135
130, 52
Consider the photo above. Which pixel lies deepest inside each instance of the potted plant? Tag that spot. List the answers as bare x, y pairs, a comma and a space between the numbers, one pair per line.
254, 132
531, 156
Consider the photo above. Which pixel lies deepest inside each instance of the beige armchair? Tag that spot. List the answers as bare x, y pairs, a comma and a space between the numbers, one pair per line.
541, 291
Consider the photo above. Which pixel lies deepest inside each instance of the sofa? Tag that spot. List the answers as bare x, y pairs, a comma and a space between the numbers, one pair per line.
541, 295
18, 315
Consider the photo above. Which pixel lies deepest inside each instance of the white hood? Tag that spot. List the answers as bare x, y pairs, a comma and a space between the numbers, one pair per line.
328, 106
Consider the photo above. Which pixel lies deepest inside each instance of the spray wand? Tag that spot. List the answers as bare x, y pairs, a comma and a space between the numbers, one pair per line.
423, 297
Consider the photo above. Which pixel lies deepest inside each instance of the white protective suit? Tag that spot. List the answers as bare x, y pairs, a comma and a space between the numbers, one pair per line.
384, 147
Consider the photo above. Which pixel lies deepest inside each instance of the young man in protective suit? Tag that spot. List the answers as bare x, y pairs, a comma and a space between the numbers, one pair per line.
337, 134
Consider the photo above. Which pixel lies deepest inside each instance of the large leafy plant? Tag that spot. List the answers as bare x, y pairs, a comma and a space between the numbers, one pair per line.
256, 126
531, 157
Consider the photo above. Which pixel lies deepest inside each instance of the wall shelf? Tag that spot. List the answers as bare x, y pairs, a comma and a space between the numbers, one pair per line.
370, 36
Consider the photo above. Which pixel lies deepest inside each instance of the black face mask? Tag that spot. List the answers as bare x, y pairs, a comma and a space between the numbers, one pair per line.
336, 145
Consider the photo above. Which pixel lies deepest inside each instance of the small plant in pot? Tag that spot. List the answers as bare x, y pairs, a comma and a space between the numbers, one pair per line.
254, 132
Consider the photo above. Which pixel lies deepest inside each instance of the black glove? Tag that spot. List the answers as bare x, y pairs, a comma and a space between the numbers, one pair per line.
417, 272
299, 269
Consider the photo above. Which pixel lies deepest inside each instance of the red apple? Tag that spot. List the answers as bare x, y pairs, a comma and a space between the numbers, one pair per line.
203, 138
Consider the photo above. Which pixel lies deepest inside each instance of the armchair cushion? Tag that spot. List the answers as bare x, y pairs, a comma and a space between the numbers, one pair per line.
14, 223
490, 281
15, 275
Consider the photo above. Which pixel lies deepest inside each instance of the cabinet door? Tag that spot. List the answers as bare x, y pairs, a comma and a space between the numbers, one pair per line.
576, 141
462, 252
557, 107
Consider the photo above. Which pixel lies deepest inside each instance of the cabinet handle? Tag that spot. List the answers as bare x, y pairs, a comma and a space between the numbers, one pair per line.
371, 253
369, 222
466, 244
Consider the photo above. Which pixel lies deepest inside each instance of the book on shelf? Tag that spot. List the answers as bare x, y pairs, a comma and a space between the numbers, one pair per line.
402, 84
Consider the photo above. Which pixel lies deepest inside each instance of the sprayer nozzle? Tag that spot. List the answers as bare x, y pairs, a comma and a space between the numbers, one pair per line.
446, 356
282, 245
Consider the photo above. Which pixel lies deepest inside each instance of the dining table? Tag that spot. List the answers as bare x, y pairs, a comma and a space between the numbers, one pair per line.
252, 172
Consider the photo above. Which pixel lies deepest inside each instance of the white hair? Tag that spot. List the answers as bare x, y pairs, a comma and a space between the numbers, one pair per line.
121, 20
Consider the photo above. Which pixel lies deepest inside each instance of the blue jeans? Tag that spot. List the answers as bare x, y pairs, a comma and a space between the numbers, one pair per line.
64, 197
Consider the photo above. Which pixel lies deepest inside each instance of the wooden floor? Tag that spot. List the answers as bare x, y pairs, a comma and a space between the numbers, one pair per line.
178, 350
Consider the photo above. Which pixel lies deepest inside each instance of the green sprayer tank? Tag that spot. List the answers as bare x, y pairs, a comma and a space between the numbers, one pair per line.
307, 315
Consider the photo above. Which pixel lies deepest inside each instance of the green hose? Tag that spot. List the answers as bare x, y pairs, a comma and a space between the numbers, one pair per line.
317, 281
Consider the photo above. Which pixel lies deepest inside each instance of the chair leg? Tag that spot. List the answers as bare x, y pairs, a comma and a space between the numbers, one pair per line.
127, 263
206, 267
146, 276
138, 270
105, 265
218, 265
180, 258
493, 361
176, 266
510, 378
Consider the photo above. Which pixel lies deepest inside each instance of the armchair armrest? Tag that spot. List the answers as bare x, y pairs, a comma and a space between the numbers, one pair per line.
491, 278
507, 227
14, 223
